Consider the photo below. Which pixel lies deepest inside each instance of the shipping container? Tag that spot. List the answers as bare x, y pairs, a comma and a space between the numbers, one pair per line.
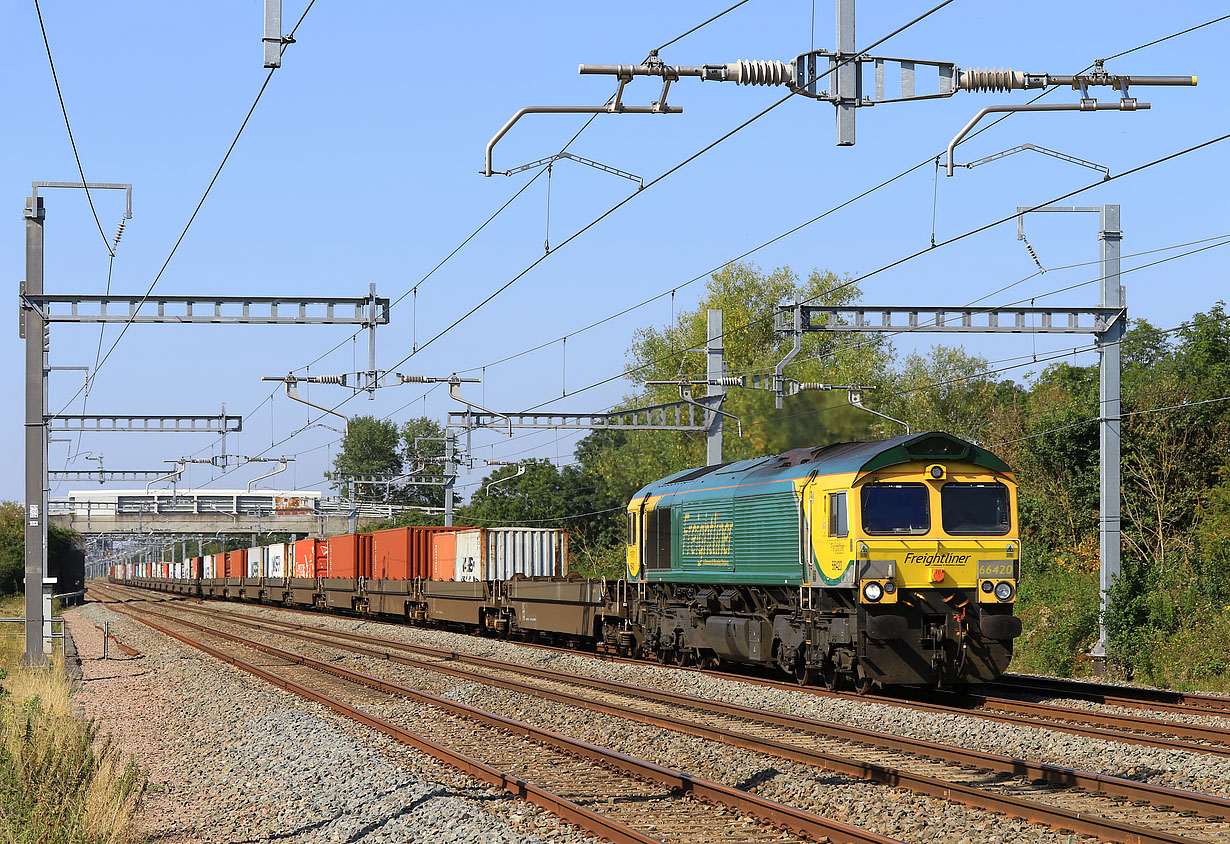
197, 568
165, 571
322, 557
501, 552
207, 567
276, 559
236, 564
256, 562
343, 556
443, 555
305, 559
469, 565
403, 553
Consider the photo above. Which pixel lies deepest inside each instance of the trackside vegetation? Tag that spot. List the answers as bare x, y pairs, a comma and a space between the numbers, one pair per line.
60, 780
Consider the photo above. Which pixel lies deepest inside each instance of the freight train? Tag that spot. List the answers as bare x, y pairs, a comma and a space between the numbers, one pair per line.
861, 565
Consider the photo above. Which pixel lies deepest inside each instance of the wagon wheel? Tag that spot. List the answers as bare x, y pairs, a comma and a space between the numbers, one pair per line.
804, 674
828, 675
664, 656
863, 684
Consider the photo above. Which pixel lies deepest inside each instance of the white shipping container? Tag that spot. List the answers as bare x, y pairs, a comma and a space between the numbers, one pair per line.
533, 552
499, 553
207, 566
256, 567
469, 564
275, 560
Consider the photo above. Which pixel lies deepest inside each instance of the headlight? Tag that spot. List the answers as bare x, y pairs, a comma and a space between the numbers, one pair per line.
987, 586
873, 591
1004, 590
889, 587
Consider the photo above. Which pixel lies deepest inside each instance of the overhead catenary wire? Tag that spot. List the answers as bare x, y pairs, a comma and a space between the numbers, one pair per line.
662, 177
942, 244
192, 218
1129, 414
911, 256
928, 159
68, 127
671, 292
987, 127
1045, 358
413, 289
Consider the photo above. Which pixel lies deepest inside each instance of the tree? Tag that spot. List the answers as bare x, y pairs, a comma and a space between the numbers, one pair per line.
60, 543
948, 389
422, 453
370, 447
747, 296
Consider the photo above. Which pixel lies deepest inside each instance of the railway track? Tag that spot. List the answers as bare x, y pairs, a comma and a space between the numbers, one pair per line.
1129, 697
1147, 732
608, 794
1110, 808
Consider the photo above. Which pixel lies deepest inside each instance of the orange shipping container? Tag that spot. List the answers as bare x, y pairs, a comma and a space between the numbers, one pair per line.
305, 559
236, 564
349, 555
443, 555
403, 553
322, 558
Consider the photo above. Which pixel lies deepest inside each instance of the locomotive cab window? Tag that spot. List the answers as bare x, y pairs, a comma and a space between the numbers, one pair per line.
975, 509
896, 509
632, 528
839, 520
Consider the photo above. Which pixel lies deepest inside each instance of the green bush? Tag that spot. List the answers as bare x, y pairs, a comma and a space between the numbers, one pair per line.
1058, 607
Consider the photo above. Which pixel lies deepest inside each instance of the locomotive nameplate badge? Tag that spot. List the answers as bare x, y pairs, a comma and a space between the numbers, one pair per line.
995, 569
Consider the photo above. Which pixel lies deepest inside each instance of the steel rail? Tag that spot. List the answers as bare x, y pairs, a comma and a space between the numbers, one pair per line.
1107, 829
795, 820
559, 806
1129, 730
1197, 732
1133, 697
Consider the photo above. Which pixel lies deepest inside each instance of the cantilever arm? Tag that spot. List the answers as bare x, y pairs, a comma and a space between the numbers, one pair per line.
454, 390
1122, 105
293, 393
520, 472
610, 108
281, 468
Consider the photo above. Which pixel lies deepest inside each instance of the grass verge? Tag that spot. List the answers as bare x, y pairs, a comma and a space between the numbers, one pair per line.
60, 779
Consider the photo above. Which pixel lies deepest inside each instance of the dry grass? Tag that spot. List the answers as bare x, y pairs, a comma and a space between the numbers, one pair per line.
11, 635
60, 781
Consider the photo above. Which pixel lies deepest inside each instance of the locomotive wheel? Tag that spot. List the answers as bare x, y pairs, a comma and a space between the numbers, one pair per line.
803, 674
828, 675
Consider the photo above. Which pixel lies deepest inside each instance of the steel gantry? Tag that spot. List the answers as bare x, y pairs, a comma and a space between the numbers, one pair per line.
38, 310
1107, 323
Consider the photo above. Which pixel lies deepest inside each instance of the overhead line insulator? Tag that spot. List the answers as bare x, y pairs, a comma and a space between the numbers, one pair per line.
745, 72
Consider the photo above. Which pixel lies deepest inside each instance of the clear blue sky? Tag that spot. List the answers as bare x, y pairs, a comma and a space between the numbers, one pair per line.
361, 164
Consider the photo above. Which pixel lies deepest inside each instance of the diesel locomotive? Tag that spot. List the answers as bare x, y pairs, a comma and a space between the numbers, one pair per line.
869, 563
852, 565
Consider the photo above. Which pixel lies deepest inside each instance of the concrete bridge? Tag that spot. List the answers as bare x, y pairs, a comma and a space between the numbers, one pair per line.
213, 511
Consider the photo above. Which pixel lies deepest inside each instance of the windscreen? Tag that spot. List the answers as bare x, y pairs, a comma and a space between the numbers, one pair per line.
975, 509
895, 509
